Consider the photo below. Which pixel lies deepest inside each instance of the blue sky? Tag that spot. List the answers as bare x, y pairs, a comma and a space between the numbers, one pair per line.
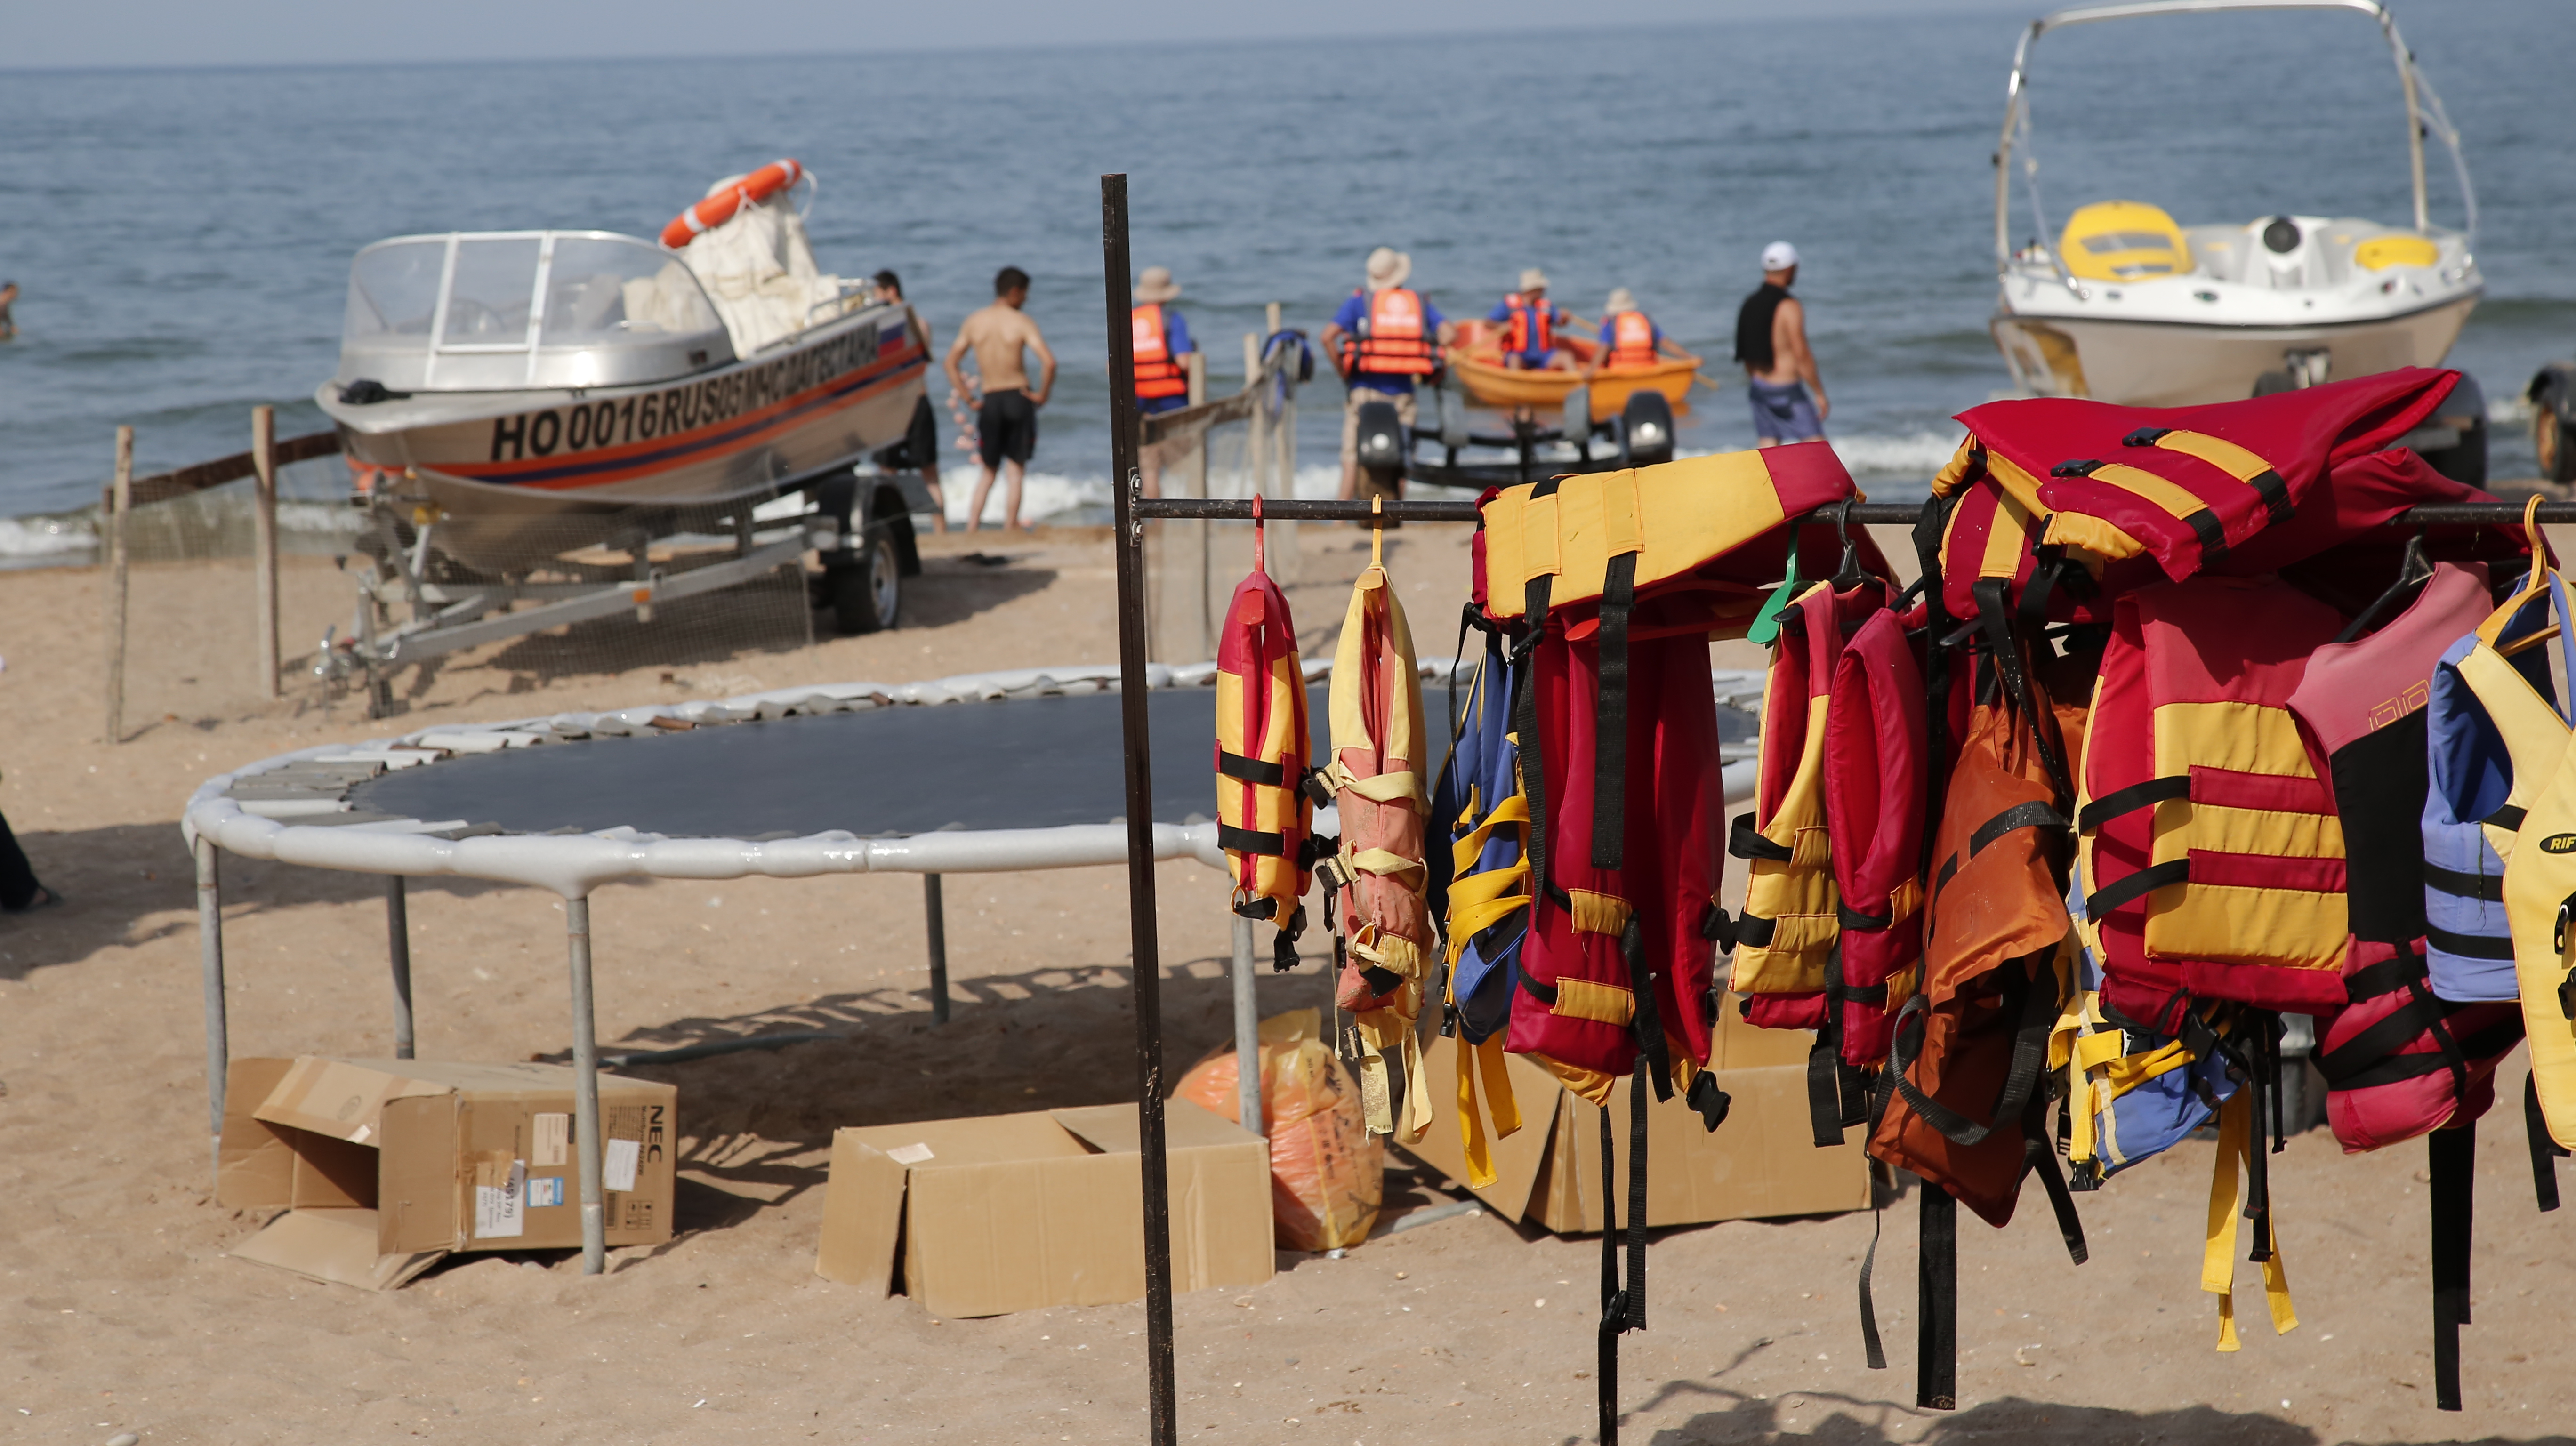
121, 33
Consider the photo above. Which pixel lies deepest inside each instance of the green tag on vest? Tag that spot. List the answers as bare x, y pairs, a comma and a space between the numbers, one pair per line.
1766, 623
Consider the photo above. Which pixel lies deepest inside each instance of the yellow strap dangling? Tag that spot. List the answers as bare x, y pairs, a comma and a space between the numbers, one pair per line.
2218, 1255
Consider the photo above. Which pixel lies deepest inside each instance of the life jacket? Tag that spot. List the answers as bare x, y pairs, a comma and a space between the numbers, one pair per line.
2210, 843
1875, 776
1786, 934
2540, 899
1392, 339
1528, 330
1376, 773
1263, 815
1479, 808
1632, 340
2398, 1061
1159, 370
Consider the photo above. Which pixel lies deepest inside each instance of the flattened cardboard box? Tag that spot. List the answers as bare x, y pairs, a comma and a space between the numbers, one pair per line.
984, 1216
1761, 1162
384, 1166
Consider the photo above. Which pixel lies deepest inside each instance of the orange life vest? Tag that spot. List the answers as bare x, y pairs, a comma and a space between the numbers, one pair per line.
1632, 340
1392, 339
1159, 372
1530, 330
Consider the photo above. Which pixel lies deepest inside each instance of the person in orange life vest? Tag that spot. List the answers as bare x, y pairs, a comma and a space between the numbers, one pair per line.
1629, 337
919, 448
1530, 323
1166, 362
1381, 340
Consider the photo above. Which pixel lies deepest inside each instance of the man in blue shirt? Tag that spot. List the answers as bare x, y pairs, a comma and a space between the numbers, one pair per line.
1381, 340
1530, 325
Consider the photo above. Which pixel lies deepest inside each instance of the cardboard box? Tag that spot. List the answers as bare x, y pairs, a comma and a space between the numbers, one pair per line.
1012, 1212
1762, 1162
383, 1166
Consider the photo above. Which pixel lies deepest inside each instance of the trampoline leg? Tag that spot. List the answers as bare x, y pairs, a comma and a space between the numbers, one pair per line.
585, 1089
1247, 1031
210, 942
935, 923
398, 949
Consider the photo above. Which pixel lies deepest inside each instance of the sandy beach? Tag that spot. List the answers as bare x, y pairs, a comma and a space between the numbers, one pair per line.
126, 1315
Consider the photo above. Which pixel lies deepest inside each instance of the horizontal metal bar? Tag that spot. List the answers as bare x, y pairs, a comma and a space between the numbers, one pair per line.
1239, 509
604, 601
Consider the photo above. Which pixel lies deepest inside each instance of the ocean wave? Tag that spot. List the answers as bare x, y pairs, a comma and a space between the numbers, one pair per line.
25, 538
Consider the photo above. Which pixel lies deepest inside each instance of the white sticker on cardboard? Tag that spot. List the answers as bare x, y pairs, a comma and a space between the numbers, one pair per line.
545, 1191
365, 1132
499, 1213
553, 1142
617, 1166
909, 1154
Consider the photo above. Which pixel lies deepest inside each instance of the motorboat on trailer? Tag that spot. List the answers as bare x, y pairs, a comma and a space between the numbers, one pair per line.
516, 383
2129, 307
591, 422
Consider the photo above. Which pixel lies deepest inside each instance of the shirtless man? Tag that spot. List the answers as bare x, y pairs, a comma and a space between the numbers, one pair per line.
1771, 342
1008, 421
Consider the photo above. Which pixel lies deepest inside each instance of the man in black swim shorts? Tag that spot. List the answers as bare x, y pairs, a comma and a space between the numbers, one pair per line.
919, 449
1000, 334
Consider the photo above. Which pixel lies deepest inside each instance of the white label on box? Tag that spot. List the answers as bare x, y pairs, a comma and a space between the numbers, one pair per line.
553, 1141
364, 1131
546, 1191
498, 1211
617, 1166
909, 1154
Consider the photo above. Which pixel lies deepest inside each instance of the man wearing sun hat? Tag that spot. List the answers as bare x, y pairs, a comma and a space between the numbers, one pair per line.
1166, 360
1530, 323
1382, 339
1771, 342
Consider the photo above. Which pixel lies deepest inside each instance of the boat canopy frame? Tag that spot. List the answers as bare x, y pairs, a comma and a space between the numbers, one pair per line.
2424, 112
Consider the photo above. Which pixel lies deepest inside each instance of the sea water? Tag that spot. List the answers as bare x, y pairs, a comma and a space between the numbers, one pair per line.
182, 237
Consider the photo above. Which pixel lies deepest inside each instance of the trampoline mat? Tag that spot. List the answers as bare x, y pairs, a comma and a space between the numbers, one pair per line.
883, 772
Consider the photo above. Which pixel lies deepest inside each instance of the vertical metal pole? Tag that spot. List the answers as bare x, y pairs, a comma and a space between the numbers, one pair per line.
263, 461
585, 1089
210, 945
1146, 949
118, 502
1247, 1032
934, 909
398, 951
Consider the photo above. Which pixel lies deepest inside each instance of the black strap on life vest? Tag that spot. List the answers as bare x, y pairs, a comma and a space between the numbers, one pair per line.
1623, 1307
1881, 1182
2489, 887
1610, 715
2545, 1152
2145, 881
1936, 1328
2006, 647
1533, 753
2130, 799
1936, 665
2029, 1060
2451, 1156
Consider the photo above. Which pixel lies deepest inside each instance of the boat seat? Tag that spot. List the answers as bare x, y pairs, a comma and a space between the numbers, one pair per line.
2123, 241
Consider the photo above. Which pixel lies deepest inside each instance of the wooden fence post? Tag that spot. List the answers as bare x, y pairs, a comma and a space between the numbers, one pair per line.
112, 511
263, 461
1287, 562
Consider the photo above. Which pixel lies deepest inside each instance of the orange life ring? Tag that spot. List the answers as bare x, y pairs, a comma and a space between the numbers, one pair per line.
717, 209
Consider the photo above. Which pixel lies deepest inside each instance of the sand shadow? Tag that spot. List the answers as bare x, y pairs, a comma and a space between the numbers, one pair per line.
953, 589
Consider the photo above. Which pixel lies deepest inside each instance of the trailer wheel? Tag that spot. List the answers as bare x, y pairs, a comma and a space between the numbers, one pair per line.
867, 594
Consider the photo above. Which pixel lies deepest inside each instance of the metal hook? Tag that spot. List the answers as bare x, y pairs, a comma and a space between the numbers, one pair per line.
1258, 530
1377, 532
1848, 575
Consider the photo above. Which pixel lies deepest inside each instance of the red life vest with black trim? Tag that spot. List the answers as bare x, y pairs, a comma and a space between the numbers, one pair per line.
2211, 846
1632, 340
1159, 370
1393, 339
1529, 330
1875, 768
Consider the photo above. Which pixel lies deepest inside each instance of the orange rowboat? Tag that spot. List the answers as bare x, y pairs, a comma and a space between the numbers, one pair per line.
1477, 361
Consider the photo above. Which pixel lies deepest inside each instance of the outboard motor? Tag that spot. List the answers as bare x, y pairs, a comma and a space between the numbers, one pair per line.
1381, 452
1646, 428
2552, 395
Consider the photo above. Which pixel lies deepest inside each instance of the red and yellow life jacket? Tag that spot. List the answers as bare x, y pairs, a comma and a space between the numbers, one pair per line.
1263, 819
1875, 798
1528, 330
1159, 370
1393, 339
2210, 845
1632, 340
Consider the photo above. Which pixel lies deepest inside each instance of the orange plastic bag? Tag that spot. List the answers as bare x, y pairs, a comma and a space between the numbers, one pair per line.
1327, 1173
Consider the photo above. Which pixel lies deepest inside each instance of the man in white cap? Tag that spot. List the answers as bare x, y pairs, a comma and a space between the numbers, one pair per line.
1771, 341
1381, 340
1167, 361
1530, 323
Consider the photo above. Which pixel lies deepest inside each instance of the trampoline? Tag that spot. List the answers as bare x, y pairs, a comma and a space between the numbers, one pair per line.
982, 773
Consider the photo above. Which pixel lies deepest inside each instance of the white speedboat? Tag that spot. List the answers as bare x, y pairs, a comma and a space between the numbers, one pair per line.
2128, 306
532, 387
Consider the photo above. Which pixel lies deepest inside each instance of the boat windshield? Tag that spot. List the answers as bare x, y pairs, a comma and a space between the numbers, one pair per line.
506, 310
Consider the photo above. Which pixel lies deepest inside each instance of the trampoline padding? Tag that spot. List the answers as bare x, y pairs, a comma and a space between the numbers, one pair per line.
1026, 763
